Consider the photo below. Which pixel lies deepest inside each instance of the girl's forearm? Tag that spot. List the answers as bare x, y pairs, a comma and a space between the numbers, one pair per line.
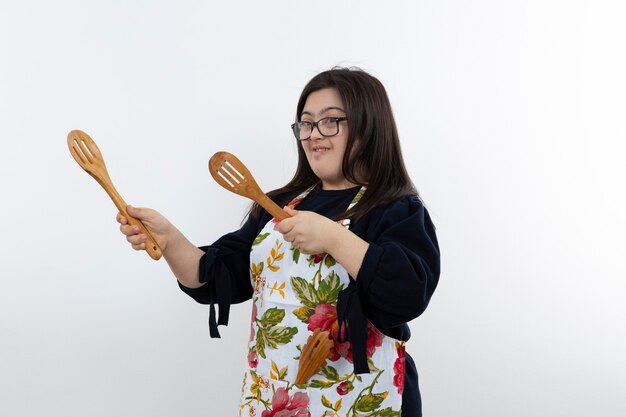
346, 248
183, 258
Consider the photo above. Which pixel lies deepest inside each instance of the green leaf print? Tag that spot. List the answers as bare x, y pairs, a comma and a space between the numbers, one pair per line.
329, 289
329, 261
372, 366
260, 238
370, 402
280, 335
295, 255
316, 383
385, 412
330, 373
358, 195
269, 334
260, 344
272, 317
305, 292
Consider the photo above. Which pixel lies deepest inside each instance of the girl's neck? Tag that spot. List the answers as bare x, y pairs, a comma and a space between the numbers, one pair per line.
343, 185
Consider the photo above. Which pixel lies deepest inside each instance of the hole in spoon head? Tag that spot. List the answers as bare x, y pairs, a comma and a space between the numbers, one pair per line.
226, 171
78, 154
225, 179
234, 169
80, 147
86, 148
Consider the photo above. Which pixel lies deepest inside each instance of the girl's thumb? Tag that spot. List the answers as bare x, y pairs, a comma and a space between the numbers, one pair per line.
134, 211
291, 211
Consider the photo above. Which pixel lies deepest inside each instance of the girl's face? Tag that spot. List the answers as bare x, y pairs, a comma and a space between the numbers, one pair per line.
325, 154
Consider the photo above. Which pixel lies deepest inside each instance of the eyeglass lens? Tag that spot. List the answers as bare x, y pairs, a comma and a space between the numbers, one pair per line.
328, 126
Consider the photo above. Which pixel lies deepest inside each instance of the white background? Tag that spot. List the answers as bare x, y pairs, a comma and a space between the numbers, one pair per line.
511, 117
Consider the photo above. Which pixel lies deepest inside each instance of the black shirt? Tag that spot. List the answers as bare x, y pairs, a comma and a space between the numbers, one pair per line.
398, 275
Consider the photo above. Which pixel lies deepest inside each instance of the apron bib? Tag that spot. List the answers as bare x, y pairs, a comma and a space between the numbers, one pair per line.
293, 295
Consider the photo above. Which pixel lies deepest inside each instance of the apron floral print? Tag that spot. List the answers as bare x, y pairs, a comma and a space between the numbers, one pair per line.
294, 294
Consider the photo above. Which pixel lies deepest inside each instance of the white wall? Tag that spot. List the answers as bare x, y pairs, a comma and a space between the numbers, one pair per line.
511, 115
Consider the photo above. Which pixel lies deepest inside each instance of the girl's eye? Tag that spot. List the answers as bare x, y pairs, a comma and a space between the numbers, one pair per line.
328, 121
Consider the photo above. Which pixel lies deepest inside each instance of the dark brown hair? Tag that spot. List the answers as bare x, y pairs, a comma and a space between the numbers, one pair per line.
373, 146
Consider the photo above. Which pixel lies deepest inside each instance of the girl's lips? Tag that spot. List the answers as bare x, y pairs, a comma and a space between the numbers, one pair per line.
319, 148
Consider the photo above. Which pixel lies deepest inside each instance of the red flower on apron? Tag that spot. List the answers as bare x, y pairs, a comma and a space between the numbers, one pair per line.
285, 406
398, 369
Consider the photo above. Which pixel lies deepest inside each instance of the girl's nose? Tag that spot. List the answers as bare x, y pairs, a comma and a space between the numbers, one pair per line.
315, 134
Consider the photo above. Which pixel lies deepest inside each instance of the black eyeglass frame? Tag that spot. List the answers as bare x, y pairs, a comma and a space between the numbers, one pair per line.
316, 125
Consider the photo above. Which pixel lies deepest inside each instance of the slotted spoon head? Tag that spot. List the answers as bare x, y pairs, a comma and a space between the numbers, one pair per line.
229, 172
86, 153
314, 355
232, 174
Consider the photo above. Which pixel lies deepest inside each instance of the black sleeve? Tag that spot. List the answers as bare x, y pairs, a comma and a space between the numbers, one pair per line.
224, 270
398, 275
401, 266
229, 256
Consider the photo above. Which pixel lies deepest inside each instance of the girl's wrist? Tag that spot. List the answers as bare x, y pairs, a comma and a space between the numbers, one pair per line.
335, 235
173, 239
346, 248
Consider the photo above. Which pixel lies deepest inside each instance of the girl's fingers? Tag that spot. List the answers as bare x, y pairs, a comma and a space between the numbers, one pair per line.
121, 219
141, 246
136, 239
129, 230
132, 232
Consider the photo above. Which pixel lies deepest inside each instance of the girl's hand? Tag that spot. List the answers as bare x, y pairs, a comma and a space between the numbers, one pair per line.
307, 231
160, 228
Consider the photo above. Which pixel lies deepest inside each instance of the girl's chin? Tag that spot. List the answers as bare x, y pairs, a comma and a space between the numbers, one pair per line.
325, 176
334, 183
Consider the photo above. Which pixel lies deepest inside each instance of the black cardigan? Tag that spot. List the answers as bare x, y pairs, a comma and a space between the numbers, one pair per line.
395, 282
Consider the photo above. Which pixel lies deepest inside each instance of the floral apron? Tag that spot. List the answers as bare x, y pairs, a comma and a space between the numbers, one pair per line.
293, 295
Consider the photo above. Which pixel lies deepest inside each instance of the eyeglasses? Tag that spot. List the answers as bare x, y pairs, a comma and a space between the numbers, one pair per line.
328, 126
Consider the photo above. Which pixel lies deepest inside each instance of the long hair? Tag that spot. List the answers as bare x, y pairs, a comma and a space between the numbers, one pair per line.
372, 156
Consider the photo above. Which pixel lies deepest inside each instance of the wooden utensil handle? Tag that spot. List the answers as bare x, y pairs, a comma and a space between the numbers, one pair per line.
152, 247
273, 208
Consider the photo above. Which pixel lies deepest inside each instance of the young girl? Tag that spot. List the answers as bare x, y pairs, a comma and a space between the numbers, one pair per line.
359, 257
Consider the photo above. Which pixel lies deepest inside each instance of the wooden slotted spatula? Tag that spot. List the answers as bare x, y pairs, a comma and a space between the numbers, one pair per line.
86, 153
232, 174
313, 355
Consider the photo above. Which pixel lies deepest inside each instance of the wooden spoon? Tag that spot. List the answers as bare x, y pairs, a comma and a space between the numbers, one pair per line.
86, 153
232, 174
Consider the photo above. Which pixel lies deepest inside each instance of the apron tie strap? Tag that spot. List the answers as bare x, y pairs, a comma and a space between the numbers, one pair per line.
221, 291
353, 326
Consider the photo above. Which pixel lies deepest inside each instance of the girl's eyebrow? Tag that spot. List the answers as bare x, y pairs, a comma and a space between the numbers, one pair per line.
324, 110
